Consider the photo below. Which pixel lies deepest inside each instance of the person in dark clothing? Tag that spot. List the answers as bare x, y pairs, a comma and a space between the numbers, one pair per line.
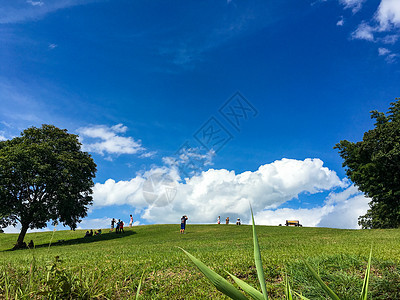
121, 226
112, 224
183, 223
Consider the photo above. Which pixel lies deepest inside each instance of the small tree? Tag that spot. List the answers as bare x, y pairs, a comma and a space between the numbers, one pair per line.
44, 176
374, 166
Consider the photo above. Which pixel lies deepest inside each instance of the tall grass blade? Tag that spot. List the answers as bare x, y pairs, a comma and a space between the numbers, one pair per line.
247, 288
31, 272
288, 291
301, 296
139, 286
364, 291
54, 230
219, 282
257, 259
321, 283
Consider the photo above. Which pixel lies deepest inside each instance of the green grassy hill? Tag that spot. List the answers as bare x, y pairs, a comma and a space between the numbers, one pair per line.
110, 265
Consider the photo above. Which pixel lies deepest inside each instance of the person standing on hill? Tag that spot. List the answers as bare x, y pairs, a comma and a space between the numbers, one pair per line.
227, 221
183, 223
219, 220
121, 226
112, 224
131, 221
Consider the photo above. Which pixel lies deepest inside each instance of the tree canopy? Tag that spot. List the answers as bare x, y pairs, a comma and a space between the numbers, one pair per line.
373, 164
44, 176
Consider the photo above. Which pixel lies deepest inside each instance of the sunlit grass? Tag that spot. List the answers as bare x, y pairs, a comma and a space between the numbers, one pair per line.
110, 266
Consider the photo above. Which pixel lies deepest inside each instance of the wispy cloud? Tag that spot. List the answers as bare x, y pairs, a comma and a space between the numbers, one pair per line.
35, 3
340, 22
389, 56
150, 154
17, 11
364, 32
354, 5
383, 51
187, 50
389, 39
52, 46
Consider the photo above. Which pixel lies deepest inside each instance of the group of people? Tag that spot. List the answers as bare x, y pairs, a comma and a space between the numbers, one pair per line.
238, 222
120, 225
90, 233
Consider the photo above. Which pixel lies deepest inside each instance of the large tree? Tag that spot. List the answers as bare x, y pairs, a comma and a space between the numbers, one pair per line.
44, 176
373, 164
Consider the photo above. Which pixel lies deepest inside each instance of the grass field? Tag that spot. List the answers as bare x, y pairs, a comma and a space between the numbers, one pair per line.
110, 265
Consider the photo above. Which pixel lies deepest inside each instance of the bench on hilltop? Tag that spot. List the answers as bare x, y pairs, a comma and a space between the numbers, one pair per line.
295, 223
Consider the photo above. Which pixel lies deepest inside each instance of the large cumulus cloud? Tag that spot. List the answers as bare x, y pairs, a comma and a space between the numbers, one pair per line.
222, 192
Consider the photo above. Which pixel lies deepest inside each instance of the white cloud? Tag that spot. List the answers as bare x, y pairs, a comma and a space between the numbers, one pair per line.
383, 51
392, 58
221, 192
354, 5
340, 210
110, 142
118, 193
389, 56
2, 138
389, 39
340, 22
35, 3
386, 19
148, 154
364, 32
52, 46
388, 14
190, 161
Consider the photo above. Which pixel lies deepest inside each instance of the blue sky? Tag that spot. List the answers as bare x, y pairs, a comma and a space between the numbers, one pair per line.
139, 79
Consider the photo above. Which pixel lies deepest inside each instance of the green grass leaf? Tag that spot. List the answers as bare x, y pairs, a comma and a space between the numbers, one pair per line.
257, 259
139, 286
218, 281
301, 296
364, 291
247, 288
321, 283
288, 291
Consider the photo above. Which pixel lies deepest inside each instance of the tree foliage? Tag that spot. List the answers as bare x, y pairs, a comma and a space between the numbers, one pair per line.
373, 164
44, 176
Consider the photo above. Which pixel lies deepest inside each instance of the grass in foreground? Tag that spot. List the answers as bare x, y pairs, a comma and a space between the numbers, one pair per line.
235, 293
110, 265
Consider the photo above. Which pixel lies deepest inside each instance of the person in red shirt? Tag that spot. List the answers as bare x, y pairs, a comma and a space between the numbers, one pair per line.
121, 226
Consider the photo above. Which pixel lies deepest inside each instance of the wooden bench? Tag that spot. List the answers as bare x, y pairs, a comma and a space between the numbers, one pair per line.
295, 223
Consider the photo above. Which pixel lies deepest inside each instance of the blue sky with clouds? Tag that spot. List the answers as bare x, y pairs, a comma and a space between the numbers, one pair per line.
215, 103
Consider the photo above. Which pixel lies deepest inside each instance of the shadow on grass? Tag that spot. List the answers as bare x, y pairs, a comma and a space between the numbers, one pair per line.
82, 240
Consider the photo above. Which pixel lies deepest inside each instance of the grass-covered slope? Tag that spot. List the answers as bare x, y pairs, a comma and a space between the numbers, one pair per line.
110, 265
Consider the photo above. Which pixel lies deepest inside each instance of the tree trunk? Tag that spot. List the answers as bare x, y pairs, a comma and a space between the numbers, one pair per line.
20, 241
